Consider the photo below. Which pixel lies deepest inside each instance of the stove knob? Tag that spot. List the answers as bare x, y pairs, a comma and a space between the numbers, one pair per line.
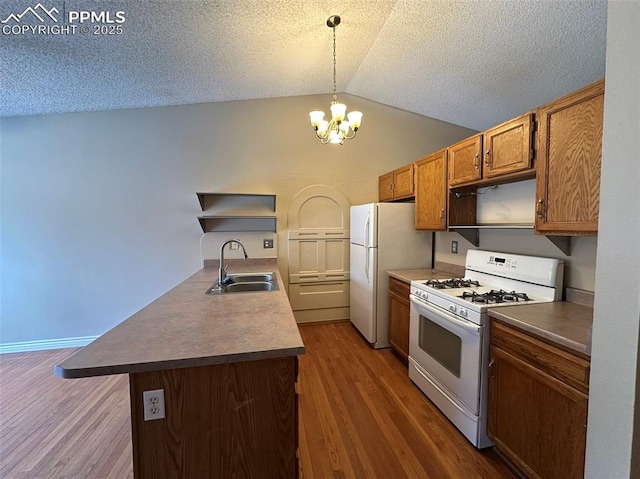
452, 308
425, 295
463, 312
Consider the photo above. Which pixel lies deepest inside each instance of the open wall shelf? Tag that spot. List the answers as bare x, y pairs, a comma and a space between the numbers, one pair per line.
237, 212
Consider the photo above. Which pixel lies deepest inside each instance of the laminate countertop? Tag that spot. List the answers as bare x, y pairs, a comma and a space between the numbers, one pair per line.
408, 275
565, 324
187, 328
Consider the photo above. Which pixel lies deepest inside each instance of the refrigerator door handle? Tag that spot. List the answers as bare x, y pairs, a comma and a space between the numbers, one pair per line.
366, 231
366, 262
367, 224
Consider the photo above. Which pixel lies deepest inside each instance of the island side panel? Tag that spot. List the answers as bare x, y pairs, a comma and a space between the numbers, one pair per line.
227, 420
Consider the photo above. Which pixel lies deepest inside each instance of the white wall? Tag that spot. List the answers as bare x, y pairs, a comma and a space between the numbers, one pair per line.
99, 209
515, 203
613, 433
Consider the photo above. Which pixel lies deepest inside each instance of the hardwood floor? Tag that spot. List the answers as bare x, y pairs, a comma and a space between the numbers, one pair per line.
362, 417
359, 417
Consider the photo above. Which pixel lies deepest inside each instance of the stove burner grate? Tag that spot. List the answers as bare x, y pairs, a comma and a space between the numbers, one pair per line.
495, 296
451, 283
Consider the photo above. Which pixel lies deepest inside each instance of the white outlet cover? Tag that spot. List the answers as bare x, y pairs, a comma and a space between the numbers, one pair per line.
153, 404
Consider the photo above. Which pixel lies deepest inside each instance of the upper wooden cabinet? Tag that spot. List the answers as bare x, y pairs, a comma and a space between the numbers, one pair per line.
397, 184
431, 192
568, 164
508, 148
385, 187
465, 161
503, 153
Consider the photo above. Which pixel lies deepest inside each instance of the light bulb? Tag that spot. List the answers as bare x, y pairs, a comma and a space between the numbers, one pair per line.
335, 137
338, 111
355, 118
323, 126
316, 118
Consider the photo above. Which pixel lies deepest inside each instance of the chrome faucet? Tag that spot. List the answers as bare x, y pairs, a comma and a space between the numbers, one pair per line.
222, 270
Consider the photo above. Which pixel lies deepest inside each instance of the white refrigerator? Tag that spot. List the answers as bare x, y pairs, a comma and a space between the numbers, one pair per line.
382, 237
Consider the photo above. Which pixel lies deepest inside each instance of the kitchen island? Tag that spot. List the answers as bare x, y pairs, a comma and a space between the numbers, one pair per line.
227, 365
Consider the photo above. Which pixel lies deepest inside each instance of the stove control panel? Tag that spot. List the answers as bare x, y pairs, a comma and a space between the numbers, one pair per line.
531, 269
503, 262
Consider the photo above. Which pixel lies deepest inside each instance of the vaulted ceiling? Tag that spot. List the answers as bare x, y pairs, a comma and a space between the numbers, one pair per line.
472, 63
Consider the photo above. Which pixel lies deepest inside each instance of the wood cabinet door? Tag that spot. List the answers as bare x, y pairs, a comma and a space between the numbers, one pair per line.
431, 192
465, 162
403, 182
385, 187
508, 148
568, 163
536, 420
399, 310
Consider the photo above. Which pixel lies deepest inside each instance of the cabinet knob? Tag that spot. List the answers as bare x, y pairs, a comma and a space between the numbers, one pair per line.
540, 208
487, 160
491, 363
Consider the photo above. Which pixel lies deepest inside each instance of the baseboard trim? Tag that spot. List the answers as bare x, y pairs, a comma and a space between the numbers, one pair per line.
25, 346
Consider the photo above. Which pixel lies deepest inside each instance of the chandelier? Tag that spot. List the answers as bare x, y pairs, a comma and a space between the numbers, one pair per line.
337, 129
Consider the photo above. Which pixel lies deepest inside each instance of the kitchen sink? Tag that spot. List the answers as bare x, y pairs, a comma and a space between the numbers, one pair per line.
245, 283
251, 277
247, 287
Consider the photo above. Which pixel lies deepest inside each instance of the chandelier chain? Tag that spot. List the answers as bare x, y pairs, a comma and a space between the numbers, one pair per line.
334, 63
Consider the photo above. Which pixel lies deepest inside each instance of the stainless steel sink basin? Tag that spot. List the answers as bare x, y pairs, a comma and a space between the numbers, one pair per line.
245, 283
251, 277
246, 287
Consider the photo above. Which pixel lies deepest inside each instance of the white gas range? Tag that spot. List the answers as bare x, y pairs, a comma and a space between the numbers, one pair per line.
449, 330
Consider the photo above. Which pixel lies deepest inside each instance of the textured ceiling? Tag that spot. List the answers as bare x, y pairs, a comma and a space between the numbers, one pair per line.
472, 63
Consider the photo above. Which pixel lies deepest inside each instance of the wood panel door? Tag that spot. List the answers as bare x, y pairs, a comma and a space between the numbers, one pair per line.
431, 192
399, 310
568, 164
385, 187
465, 162
537, 421
508, 148
403, 182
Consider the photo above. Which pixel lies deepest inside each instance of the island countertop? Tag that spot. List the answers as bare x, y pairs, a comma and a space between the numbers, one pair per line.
187, 328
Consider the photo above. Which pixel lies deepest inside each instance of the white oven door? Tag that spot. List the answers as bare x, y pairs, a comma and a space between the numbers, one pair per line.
448, 348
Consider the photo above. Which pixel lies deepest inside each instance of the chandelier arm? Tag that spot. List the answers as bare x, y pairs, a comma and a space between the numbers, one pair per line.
346, 137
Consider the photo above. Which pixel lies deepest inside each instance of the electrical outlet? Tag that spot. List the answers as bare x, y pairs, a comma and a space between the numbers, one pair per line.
153, 404
267, 243
454, 247
234, 245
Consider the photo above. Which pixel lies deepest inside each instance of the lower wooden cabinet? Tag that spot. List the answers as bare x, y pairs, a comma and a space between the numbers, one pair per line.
223, 420
537, 404
399, 316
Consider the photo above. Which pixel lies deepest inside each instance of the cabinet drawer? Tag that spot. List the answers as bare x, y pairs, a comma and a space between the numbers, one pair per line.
401, 288
566, 367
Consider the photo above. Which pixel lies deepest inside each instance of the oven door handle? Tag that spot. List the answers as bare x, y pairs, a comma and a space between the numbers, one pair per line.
442, 317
